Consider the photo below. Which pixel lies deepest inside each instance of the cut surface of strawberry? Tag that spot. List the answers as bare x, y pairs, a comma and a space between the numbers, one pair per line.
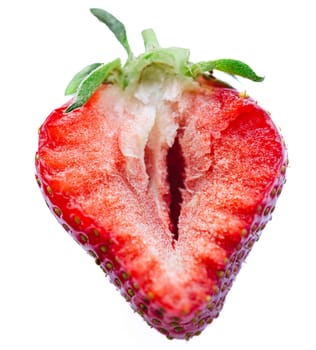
165, 175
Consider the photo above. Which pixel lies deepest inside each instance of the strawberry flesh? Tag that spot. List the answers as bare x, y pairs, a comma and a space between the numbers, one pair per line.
169, 196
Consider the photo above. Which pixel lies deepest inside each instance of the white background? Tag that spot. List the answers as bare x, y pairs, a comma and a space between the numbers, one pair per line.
52, 296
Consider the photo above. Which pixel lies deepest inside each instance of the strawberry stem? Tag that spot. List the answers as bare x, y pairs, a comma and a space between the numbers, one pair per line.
150, 40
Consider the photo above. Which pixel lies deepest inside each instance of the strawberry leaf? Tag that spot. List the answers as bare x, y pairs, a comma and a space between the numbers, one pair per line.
92, 81
226, 65
77, 79
115, 26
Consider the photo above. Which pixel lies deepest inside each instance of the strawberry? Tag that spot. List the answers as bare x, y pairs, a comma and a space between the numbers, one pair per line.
165, 175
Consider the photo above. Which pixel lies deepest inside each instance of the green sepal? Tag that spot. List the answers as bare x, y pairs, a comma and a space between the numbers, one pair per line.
92, 81
77, 79
226, 65
117, 28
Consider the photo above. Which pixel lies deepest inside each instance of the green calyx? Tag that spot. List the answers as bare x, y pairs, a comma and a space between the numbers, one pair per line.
153, 65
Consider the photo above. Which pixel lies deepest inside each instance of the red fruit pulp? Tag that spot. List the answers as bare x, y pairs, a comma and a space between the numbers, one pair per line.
172, 192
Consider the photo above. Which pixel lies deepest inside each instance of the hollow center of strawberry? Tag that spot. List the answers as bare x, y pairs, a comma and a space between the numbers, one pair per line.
176, 174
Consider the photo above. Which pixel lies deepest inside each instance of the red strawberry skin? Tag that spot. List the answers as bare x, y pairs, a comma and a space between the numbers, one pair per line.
170, 225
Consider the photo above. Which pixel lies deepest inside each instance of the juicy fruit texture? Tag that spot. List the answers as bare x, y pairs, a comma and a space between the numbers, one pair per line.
167, 188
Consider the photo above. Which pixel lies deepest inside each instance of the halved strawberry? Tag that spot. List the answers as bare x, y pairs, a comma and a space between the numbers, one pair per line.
165, 175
